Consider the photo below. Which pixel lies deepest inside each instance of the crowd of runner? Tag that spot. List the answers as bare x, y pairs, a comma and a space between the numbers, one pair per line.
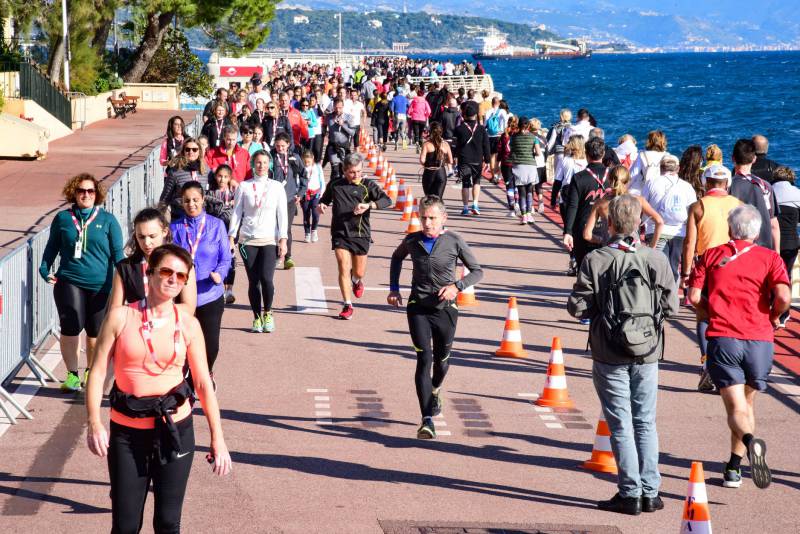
260, 158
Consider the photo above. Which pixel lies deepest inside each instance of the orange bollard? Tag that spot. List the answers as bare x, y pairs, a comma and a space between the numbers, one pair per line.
400, 205
414, 225
696, 516
511, 344
602, 459
555, 387
466, 297
408, 207
392, 191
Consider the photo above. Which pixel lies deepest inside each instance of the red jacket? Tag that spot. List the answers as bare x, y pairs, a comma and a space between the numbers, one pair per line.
299, 126
239, 161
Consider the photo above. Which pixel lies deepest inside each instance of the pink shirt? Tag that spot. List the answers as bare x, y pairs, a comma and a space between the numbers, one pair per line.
419, 110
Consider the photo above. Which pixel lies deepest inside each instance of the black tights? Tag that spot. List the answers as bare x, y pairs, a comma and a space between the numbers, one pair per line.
259, 263
417, 127
432, 332
133, 464
209, 316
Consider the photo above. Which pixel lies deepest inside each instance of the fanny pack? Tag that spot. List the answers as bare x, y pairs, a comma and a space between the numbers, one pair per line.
166, 439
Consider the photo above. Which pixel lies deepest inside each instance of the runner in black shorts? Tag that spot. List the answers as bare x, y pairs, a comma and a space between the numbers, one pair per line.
432, 311
473, 155
352, 198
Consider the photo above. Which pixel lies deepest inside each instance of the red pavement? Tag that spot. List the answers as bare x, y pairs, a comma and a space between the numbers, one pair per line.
32, 189
503, 462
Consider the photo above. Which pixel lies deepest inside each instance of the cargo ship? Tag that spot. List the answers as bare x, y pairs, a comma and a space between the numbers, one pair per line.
493, 45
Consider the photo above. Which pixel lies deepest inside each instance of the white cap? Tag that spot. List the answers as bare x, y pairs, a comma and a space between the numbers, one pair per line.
717, 172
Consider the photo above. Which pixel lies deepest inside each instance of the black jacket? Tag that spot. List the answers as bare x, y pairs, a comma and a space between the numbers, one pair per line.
436, 270
296, 183
764, 167
345, 196
451, 118
472, 145
273, 127
213, 133
584, 191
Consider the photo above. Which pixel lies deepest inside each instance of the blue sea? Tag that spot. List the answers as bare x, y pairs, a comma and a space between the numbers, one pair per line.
695, 98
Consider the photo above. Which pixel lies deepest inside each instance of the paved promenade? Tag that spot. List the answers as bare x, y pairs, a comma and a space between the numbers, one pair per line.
321, 415
32, 189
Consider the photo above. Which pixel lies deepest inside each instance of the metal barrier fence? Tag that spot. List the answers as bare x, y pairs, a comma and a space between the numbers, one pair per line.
28, 314
478, 82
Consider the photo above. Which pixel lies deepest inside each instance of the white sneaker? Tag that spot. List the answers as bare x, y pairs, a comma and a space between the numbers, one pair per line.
523, 219
314, 236
512, 213
530, 218
541, 208
308, 238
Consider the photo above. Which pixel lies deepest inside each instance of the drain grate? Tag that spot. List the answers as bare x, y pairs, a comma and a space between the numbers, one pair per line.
421, 527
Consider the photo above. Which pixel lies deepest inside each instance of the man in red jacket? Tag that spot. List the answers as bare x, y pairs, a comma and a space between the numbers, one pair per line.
236, 157
299, 126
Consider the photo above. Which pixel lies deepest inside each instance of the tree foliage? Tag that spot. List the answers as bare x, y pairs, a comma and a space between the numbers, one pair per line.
174, 62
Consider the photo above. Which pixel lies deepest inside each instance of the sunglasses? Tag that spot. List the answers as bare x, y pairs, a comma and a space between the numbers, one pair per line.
192, 149
166, 272
270, 107
82, 191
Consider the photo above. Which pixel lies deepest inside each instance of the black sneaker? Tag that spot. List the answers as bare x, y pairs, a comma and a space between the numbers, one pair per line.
705, 384
732, 478
759, 471
652, 504
437, 403
426, 429
622, 505
572, 269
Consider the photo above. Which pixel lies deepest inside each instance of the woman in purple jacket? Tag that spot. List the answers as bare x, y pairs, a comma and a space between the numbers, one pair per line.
206, 239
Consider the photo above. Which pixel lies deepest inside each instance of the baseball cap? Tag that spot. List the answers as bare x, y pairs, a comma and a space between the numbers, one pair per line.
716, 172
255, 79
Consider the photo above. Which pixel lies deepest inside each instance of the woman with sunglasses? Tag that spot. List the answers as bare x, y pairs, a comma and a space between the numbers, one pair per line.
171, 146
248, 141
206, 239
312, 121
88, 240
189, 166
274, 124
151, 435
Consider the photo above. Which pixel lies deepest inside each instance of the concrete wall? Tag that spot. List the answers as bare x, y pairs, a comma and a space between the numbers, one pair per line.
31, 110
20, 138
91, 109
154, 95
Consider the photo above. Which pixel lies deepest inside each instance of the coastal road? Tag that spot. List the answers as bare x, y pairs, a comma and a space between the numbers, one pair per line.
321, 415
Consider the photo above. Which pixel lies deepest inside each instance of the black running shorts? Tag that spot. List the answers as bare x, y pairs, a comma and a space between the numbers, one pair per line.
470, 174
79, 309
356, 245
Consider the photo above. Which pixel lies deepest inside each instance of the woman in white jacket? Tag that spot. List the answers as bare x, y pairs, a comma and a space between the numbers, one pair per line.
259, 215
648, 163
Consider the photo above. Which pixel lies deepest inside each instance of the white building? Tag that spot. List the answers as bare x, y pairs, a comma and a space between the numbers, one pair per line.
375, 23
300, 19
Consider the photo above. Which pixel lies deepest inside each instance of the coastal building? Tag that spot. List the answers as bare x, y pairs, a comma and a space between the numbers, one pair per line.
375, 23
300, 19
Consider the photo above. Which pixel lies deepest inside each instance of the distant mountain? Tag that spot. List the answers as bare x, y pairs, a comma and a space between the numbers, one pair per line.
674, 24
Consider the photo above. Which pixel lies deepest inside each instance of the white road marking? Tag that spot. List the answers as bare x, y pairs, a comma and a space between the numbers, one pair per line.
322, 398
322, 406
542, 409
555, 293
323, 414
530, 395
548, 418
316, 390
443, 433
309, 291
784, 384
553, 425
324, 422
29, 386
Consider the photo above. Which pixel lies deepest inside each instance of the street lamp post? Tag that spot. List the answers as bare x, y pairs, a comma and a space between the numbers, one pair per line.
340, 34
65, 36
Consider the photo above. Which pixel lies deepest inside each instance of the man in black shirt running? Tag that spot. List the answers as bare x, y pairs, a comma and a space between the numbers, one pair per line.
432, 312
352, 198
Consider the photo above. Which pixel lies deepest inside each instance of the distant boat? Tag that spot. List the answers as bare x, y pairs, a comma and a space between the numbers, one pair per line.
493, 45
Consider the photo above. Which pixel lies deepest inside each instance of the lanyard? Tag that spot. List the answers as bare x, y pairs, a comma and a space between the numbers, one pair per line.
218, 126
82, 229
623, 246
259, 199
193, 246
284, 165
147, 334
145, 281
597, 179
737, 253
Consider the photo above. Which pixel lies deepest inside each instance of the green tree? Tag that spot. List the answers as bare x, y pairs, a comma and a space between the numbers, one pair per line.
174, 62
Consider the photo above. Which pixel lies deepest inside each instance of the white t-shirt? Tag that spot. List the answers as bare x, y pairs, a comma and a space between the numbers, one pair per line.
355, 111
252, 97
647, 162
569, 167
259, 205
502, 114
581, 128
671, 197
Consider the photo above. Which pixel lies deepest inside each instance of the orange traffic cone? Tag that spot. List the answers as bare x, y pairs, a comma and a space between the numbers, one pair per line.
385, 174
602, 459
466, 297
555, 392
408, 207
511, 345
400, 205
696, 516
392, 191
372, 159
379, 167
414, 225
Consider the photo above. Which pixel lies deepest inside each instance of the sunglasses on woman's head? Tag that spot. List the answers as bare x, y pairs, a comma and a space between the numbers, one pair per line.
166, 272
82, 191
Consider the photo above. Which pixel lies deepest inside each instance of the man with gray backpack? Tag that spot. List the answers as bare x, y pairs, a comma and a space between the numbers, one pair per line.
627, 290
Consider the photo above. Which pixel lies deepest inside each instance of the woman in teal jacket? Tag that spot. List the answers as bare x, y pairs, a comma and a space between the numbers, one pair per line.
88, 240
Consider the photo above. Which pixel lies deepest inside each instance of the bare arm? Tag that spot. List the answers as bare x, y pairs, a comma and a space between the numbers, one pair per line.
690, 242
648, 210
782, 299
776, 234
423, 154
590, 223
189, 294
117, 297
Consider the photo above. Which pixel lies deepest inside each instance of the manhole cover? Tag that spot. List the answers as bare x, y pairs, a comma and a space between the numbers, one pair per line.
421, 527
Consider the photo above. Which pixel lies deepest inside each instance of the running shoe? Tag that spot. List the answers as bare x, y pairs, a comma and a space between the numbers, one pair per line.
268, 322
71, 383
314, 236
426, 429
530, 218
437, 403
512, 213
230, 298
475, 209
258, 327
347, 312
732, 478
288, 263
586, 321
759, 471
705, 384
465, 211
358, 289
783, 322
541, 208
572, 269
523, 219
308, 238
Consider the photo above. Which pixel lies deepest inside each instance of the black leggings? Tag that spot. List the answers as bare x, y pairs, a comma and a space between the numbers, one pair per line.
79, 309
133, 464
316, 147
381, 132
434, 181
417, 127
432, 332
789, 256
209, 316
230, 278
523, 192
259, 263
554, 194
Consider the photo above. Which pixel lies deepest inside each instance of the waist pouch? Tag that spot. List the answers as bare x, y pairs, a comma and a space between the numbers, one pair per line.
166, 438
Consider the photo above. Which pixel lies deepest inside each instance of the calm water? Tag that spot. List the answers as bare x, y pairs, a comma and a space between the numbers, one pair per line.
693, 98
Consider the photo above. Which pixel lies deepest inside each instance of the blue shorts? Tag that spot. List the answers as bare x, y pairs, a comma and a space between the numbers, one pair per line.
734, 361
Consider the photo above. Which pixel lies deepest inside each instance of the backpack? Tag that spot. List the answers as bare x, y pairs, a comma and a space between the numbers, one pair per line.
493, 125
651, 169
631, 318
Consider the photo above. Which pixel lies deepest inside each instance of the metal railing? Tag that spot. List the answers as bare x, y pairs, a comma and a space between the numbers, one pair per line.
28, 315
478, 82
37, 87
9, 80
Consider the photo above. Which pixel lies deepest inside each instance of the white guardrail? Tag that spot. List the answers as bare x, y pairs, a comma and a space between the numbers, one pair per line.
28, 314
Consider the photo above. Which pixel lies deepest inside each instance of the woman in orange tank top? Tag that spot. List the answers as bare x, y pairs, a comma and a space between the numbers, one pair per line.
151, 437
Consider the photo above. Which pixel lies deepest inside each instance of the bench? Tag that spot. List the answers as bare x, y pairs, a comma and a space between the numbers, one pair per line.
130, 102
119, 107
